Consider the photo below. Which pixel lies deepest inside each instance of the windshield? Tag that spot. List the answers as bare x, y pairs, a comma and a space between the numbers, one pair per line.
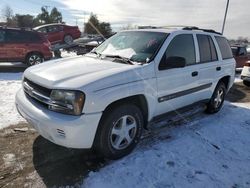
138, 46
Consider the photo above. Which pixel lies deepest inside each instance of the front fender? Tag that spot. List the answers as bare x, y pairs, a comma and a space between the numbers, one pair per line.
98, 100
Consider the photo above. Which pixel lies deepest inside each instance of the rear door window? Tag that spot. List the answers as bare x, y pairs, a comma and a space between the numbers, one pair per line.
14, 36
206, 48
225, 49
30, 36
53, 28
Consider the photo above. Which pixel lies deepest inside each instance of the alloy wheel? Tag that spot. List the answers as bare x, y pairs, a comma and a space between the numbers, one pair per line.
123, 132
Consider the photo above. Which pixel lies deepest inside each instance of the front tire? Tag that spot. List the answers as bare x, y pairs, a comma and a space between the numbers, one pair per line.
119, 131
217, 99
246, 83
34, 59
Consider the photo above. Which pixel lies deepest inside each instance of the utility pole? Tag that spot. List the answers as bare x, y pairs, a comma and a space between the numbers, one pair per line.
84, 24
225, 17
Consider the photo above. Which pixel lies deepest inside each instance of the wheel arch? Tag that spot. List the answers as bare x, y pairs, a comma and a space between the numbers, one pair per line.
139, 100
226, 81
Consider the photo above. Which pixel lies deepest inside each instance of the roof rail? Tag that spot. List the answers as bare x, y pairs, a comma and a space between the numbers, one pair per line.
200, 29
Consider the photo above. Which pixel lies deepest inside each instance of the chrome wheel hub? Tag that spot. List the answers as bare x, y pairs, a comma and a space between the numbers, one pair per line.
123, 132
219, 98
35, 59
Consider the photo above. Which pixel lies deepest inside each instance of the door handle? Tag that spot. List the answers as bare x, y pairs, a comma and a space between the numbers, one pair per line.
218, 68
195, 73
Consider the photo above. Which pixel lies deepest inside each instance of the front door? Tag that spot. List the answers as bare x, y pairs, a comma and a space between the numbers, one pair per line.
177, 86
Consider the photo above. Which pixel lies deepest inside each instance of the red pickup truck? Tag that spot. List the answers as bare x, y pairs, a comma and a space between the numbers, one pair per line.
240, 55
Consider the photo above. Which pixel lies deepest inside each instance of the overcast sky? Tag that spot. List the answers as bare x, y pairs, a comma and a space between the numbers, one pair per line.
201, 13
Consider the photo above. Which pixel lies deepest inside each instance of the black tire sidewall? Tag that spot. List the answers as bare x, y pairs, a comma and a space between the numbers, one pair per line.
246, 83
211, 106
103, 145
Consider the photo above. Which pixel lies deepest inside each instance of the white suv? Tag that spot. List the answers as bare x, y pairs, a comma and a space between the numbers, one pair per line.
106, 98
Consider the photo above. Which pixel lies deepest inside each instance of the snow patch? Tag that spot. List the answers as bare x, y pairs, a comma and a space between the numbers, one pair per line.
10, 83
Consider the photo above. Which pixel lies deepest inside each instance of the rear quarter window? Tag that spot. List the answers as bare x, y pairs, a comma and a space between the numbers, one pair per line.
225, 49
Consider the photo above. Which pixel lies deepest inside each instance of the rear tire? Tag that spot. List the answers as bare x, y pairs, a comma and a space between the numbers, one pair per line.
68, 39
217, 99
119, 131
246, 83
34, 59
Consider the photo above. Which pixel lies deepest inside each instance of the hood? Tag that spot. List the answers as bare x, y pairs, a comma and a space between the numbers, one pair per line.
77, 72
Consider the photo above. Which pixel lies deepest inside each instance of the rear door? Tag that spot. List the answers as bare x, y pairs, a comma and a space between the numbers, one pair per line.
15, 45
208, 65
177, 87
2, 45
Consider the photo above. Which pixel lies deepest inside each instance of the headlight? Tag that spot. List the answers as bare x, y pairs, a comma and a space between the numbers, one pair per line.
68, 102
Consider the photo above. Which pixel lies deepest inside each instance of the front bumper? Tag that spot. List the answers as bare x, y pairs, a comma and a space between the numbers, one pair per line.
65, 130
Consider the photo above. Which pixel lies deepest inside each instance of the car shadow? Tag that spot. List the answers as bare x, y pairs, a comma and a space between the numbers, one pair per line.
60, 166
12, 67
237, 93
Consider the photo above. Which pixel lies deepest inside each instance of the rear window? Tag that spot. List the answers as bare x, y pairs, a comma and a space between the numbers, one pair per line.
225, 49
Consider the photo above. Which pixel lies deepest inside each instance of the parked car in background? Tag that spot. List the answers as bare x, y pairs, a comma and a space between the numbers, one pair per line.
29, 47
240, 55
245, 74
105, 98
59, 33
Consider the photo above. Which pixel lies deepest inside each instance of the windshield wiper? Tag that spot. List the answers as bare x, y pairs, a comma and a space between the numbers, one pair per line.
124, 59
95, 52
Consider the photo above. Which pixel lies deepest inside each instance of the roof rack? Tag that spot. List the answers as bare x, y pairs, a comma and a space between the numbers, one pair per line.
200, 29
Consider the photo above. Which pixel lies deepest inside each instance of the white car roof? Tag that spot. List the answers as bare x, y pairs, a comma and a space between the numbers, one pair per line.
176, 30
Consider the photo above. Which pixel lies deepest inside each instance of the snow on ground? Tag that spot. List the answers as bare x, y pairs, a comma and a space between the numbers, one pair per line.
212, 151
9, 85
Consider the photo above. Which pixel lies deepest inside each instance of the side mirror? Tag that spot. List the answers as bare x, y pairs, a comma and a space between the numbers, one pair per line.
175, 62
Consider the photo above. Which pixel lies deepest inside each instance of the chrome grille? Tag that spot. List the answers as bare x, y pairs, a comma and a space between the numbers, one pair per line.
37, 92
44, 91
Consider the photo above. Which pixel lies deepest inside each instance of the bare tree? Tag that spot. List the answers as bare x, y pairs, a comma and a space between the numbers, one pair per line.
7, 13
8, 16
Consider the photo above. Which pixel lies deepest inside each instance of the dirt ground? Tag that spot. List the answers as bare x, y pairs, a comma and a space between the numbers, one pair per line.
28, 160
